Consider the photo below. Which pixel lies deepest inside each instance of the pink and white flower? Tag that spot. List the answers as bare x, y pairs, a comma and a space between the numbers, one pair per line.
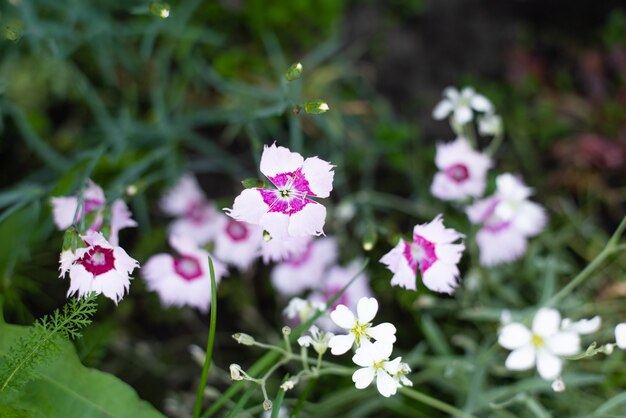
64, 207
195, 215
305, 270
508, 219
184, 280
463, 171
359, 327
374, 361
541, 345
461, 105
237, 243
433, 251
100, 267
282, 249
287, 210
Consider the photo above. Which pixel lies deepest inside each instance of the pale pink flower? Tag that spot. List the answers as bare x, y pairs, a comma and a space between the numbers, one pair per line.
508, 219
100, 267
195, 215
305, 270
64, 207
287, 210
184, 280
120, 219
282, 249
335, 279
463, 171
433, 251
237, 243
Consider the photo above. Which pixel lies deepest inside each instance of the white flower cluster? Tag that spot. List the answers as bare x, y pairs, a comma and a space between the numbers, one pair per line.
372, 357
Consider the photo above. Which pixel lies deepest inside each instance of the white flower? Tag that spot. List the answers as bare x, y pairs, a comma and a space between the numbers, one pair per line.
237, 243
490, 124
540, 346
461, 105
583, 326
374, 360
620, 335
302, 309
287, 210
433, 250
183, 280
195, 215
400, 375
508, 219
318, 339
462, 171
360, 328
306, 270
100, 267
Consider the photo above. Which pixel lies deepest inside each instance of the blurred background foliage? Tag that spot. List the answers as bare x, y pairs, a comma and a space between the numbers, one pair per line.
136, 93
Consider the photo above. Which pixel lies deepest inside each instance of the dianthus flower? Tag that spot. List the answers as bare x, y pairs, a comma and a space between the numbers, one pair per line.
508, 219
433, 251
287, 210
237, 243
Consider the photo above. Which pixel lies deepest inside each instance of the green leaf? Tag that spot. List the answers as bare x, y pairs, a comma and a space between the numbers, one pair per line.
63, 387
251, 183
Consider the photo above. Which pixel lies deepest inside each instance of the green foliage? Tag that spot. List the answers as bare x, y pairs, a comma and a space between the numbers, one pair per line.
43, 340
62, 387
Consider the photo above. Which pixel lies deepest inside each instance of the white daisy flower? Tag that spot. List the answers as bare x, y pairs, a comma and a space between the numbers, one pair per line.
433, 251
461, 104
462, 171
306, 270
360, 327
508, 219
237, 243
374, 360
620, 335
184, 280
541, 345
287, 210
100, 267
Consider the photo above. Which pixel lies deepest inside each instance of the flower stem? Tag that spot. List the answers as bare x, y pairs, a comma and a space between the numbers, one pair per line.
610, 248
435, 403
209, 349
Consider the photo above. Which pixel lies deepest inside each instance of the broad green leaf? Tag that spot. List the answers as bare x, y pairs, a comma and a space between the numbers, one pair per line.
63, 387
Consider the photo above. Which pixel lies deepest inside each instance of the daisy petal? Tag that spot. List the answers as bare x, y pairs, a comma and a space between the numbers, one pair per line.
546, 322
548, 365
513, 336
366, 309
343, 317
385, 384
564, 343
362, 378
340, 344
522, 358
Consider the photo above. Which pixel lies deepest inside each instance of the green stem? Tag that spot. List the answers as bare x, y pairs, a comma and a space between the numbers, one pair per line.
495, 143
197, 410
435, 403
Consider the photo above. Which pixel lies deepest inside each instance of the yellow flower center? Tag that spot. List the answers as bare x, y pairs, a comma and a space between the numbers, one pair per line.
536, 340
360, 330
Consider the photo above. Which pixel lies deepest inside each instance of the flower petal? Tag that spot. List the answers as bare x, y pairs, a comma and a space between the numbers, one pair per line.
362, 378
442, 110
308, 221
514, 335
248, 207
343, 317
548, 365
385, 332
366, 309
481, 103
564, 343
620, 335
340, 344
319, 174
522, 358
546, 322
63, 211
278, 160
385, 384
462, 115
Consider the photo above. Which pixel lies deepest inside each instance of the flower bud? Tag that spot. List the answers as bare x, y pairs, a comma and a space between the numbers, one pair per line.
558, 385
370, 238
161, 10
266, 236
252, 182
294, 72
316, 107
71, 239
267, 404
236, 372
289, 384
131, 190
286, 331
244, 339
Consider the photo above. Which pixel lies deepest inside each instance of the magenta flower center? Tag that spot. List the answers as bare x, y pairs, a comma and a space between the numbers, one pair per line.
98, 260
236, 230
491, 221
302, 258
291, 194
457, 172
196, 212
187, 267
421, 253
